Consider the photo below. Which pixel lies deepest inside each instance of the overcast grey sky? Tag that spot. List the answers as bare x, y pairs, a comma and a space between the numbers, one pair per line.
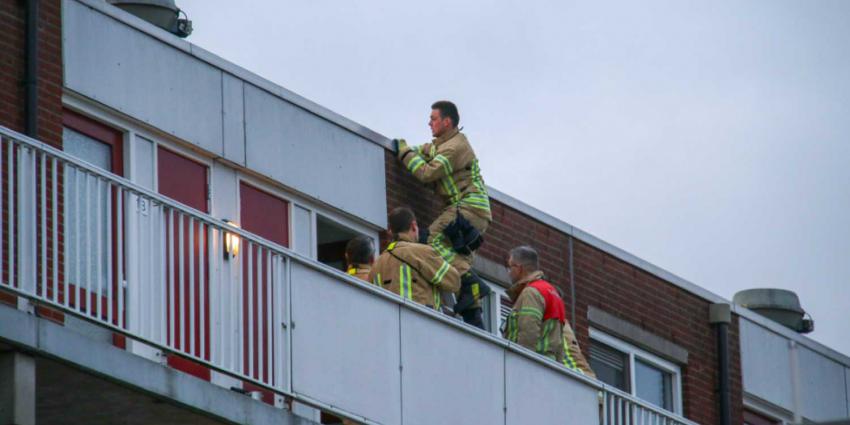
709, 138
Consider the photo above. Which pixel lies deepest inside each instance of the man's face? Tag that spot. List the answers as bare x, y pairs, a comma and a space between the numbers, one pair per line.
438, 124
515, 271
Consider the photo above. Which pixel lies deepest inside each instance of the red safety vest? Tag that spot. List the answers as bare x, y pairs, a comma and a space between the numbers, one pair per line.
554, 304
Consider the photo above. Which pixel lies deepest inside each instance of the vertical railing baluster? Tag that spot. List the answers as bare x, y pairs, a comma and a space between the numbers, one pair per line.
11, 211
153, 288
181, 279
88, 245
191, 245
202, 262
77, 236
45, 294
239, 300
54, 187
250, 309
98, 237
107, 291
258, 327
172, 303
119, 287
66, 184
269, 322
162, 310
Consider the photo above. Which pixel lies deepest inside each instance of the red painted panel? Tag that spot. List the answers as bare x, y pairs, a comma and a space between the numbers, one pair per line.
267, 216
182, 179
185, 181
264, 214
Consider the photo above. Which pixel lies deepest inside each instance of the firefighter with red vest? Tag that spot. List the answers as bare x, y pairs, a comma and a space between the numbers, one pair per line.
538, 319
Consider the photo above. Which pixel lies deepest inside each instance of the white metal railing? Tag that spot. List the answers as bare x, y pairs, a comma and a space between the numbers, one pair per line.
88, 243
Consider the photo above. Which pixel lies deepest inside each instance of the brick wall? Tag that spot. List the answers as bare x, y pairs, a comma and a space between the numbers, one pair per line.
12, 80
13, 68
607, 283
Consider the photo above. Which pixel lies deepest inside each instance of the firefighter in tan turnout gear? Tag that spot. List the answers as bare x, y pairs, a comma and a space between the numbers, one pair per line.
538, 319
359, 256
411, 269
449, 164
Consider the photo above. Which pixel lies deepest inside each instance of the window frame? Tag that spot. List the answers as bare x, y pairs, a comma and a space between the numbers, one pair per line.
634, 353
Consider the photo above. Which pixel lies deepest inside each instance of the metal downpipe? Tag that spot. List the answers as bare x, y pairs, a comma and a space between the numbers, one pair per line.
720, 316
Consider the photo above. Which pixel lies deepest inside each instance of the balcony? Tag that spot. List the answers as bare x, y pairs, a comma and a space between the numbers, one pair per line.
216, 299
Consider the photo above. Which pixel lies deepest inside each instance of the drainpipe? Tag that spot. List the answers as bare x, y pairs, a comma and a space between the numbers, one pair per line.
720, 316
31, 78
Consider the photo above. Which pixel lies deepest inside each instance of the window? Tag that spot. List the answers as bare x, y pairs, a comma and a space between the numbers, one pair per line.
635, 371
332, 238
89, 204
496, 309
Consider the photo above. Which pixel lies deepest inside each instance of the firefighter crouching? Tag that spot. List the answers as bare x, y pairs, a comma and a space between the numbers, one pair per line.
449, 164
411, 269
538, 319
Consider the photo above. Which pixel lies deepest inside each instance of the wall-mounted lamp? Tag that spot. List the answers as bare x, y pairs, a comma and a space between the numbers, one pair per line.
231, 241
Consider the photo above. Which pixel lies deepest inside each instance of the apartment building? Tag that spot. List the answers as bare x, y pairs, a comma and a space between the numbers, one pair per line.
173, 231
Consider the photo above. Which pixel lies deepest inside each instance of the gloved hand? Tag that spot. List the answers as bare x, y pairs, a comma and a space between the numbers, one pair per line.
401, 147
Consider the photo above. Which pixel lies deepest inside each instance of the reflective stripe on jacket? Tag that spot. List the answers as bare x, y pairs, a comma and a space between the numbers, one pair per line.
360, 271
416, 272
528, 325
450, 163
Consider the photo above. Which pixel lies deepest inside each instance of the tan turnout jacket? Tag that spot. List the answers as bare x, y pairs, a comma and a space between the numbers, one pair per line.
415, 271
525, 324
550, 338
360, 271
450, 164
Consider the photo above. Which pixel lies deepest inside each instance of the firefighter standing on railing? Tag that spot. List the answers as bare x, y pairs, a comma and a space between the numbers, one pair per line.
450, 165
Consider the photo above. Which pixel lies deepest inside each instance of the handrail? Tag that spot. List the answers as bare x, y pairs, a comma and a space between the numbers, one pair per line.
275, 255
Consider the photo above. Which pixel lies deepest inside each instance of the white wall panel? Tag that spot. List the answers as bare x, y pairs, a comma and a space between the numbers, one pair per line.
823, 390
766, 364
334, 325
142, 77
302, 231
452, 377
233, 116
537, 395
314, 156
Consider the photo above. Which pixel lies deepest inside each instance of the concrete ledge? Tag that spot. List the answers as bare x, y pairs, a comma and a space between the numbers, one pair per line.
49, 339
635, 335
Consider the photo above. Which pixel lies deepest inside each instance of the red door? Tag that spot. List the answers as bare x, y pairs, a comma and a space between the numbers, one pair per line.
187, 298
267, 216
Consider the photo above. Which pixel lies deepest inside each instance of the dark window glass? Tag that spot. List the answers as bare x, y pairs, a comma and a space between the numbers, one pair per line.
653, 384
611, 365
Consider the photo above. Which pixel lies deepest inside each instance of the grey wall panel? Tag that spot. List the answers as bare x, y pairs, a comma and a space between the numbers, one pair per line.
847, 389
334, 324
766, 364
537, 395
233, 118
822, 386
314, 156
455, 378
225, 196
142, 77
302, 231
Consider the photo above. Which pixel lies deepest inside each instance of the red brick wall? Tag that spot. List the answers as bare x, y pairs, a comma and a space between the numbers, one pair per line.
13, 73
607, 283
13, 68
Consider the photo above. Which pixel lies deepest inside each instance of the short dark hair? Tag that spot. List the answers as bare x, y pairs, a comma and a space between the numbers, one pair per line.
526, 256
447, 109
401, 219
360, 250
